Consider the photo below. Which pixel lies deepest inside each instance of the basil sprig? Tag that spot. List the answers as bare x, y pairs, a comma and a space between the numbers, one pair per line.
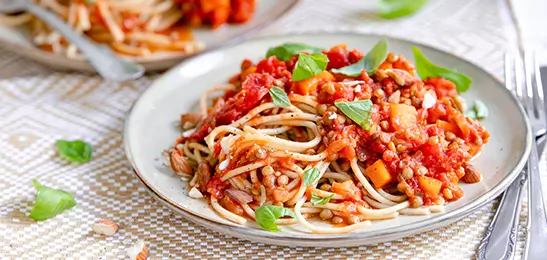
478, 111
279, 97
359, 111
318, 200
267, 215
75, 151
308, 66
391, 9
426, 69
370, 62
286, 51
311, 175
50, 202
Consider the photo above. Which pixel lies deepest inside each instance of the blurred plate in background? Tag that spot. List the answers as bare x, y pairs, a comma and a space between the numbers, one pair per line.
17, 40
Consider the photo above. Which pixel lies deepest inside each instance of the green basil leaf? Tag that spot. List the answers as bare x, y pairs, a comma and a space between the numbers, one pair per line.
279, 97
318, 200
75, 151
90, 1
308, 66
267, 215
286, 51
391, 9
370, 62
471, 114
426, 69
481, 110
311, 175
50, 202
478, 111
358, 111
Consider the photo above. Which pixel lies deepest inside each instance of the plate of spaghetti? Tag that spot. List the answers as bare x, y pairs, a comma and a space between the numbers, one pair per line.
155, 33
326, 139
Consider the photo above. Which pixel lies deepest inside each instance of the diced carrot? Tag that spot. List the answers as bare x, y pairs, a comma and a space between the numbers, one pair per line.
403, 116
463, 125
385, 65
308, 86
447, 126
379, 174
430, 186
347, 189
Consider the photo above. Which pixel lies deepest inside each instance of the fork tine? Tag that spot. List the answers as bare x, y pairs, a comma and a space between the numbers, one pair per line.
532, 72
520, 82
534, 87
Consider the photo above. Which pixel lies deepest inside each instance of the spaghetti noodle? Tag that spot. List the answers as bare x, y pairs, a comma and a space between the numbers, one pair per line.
134, 27
310, 157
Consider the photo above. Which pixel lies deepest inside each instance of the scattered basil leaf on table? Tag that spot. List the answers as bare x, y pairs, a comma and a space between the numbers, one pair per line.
311, 175
308, 66
391, 9
286, 51
318, 200
50, 202
359, 111
370, 62
267, 215
478, 111
279, 97
426, 69
75, 151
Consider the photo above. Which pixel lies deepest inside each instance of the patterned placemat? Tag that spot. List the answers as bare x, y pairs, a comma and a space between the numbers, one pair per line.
39, 106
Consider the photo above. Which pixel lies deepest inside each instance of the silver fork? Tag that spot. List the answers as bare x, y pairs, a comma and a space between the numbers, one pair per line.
499, 242
102, 58
536, 238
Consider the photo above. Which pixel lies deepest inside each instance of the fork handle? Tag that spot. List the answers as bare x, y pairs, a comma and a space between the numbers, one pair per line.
537, 221
499, 241
102, 58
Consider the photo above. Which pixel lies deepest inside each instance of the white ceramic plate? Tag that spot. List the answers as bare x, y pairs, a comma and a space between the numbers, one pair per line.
150, 128
17, 39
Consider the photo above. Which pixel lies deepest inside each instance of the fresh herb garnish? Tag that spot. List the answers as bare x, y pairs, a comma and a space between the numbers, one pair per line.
74, 151
478, 111
370, 62
318, 200
426, 69
286, 51
391, 9
311, 175
267, 215
308, 66
279, 97
358, 111
50, 202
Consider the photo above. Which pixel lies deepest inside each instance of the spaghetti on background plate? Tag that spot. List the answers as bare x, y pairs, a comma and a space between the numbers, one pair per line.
134, 27
333, 135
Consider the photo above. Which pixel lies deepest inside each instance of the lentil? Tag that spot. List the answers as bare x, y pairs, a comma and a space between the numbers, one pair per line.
407, 173
282, 180
392, 57
447, 193
325, 214
267, 170
422, 170
325, 187
416, 202
353, 219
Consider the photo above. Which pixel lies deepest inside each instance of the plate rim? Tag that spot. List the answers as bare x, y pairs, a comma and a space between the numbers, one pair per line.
380, 235
152, 63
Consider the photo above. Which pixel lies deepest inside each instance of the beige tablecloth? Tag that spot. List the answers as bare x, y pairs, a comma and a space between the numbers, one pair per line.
39, 106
